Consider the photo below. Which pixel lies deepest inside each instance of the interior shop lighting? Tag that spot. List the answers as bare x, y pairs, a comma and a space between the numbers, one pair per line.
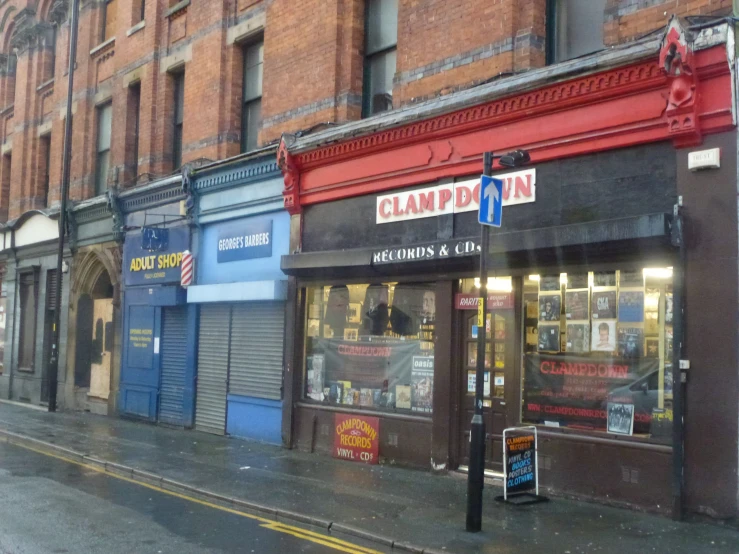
658, 272
562, 278
496, 284
534, 278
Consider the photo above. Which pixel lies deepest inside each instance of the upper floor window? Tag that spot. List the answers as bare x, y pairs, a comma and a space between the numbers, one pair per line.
110, 12
380, 50
575, 28
178, 118
251, 110
102, 161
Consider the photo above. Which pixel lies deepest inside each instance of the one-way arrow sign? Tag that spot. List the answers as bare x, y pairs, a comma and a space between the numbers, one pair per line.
491, 201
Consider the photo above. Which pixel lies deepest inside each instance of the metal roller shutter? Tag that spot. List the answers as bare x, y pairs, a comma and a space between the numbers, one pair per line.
174, 359
210, 404
257, 336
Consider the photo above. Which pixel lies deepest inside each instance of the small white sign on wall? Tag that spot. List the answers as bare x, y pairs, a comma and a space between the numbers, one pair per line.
704, 159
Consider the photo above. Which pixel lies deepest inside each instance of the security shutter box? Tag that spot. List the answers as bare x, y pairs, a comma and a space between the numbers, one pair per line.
174, 360
212, 384
257, 336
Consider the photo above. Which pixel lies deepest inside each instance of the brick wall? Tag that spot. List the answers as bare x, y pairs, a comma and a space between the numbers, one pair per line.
313, 73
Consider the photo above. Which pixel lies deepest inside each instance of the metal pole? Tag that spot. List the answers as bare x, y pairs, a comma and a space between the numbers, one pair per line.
66, 163
476, 473
678, 390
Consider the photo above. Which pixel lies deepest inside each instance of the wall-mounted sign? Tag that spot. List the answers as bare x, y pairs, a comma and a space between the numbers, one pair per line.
704, 159
357, 438
518, 188
244, 240
147, 262
431, 251
496, 301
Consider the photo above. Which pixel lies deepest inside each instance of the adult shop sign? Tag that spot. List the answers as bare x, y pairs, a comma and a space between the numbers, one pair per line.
452, 198
149, 262
244, 240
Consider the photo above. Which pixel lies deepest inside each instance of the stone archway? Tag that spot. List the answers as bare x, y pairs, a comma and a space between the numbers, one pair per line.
93, 366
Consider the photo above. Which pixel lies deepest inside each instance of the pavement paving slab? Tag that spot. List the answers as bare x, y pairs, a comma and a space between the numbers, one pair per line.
410, 508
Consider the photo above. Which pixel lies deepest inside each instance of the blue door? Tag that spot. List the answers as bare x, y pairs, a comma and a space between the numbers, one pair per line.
139, 385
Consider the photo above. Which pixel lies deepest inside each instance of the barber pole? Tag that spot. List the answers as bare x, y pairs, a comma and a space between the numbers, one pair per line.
186, 268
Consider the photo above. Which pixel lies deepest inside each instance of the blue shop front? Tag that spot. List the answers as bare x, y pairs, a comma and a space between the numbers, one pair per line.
157, 366
241, 292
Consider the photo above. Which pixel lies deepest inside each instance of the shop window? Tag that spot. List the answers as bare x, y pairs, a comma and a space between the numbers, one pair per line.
251, 109
28, 295
380, 54
102, 161
133, 119
574, 28
598, 351
371, 346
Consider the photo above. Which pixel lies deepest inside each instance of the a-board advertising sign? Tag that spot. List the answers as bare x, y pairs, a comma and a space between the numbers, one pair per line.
357, 438
520, 462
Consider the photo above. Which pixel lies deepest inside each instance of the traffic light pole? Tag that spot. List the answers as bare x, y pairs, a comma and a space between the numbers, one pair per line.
476, 469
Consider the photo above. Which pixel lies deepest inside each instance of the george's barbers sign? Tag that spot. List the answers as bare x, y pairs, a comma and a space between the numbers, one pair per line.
422, 252
518, 188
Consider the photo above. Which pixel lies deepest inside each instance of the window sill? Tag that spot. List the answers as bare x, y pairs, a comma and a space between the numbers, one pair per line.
102, 46
600, 437
25, 370
178, 7
136, 28
350, 409
46, 85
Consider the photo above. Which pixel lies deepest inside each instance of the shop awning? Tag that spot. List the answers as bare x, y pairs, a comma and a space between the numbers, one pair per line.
512, 249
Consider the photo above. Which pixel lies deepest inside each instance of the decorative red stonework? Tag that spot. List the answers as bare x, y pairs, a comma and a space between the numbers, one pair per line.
676, 58
291, 175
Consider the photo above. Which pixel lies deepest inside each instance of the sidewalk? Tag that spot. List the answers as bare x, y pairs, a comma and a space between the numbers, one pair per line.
410, 510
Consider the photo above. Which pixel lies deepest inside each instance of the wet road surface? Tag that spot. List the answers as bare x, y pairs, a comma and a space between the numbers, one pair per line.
48, 505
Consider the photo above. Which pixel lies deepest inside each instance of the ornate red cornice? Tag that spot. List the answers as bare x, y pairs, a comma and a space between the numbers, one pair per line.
677, 95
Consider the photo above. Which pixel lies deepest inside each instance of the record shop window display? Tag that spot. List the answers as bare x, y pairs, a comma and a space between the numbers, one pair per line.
371, 346
598, 351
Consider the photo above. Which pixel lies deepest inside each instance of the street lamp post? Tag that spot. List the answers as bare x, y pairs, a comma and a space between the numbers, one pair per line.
53, 368
476, 468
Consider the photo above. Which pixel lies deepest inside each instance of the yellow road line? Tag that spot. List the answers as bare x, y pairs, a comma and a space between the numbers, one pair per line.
318, 538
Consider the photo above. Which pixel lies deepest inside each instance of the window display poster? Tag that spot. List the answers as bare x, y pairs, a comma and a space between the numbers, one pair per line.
315, 376
630, 342
604, 279
620, 418
549, 338
357, 438
577, 280
604, 305
575, 390
631, 307
578, 337
576, 305
550, 283
633, 278
422, 384
604, 336
403, 397
550, 307
472, 381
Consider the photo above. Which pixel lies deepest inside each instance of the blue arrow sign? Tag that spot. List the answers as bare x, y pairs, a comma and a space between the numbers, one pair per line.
491, 201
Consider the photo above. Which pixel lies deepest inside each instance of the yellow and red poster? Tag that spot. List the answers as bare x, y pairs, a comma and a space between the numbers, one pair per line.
357, 438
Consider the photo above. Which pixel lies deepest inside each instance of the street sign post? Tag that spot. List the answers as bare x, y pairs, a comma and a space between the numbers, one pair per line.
491, 201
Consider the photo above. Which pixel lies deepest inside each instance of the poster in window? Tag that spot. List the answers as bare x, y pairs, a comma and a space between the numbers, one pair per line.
620, 418
633, 278
336, 393
314, 368
351, 334
531, 310
550, 307
630, 342
668, 308
549, 338
604, 336
604, 279
577, 281
651, 323
631, 306
604, 305
578, 337
576, 305
550, 283
354, 312
403, 397
314, 327
422, 384
652, 348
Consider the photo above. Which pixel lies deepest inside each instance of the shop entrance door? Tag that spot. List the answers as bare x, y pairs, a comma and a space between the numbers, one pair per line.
499, 364
102, 347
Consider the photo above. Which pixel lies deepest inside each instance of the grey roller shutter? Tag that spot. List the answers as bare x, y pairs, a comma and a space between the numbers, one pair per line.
174, 360
257, 336
210, 403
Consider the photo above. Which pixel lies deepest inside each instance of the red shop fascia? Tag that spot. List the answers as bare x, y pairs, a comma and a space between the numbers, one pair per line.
666, 89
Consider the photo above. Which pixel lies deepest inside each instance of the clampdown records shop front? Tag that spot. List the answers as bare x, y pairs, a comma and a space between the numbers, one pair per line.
586, 276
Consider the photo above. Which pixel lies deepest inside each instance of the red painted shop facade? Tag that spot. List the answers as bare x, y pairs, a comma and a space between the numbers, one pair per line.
606, 273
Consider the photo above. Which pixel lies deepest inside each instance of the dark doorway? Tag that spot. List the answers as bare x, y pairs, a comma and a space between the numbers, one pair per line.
83, 352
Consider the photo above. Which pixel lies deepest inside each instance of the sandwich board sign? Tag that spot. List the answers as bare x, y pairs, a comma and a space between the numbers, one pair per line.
521, 465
